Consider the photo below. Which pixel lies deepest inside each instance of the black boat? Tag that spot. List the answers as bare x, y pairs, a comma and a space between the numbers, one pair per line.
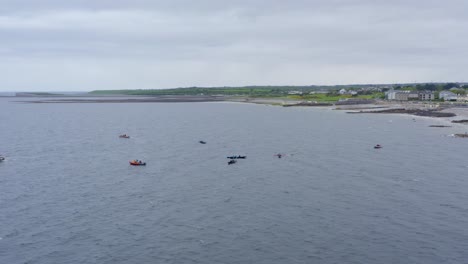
202, 142
237, 157
378, 146
232, 162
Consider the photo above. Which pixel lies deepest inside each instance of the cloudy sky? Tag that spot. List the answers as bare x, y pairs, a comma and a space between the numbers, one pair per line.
143, 44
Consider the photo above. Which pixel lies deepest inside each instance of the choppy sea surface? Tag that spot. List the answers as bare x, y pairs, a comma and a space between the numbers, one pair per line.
69, 195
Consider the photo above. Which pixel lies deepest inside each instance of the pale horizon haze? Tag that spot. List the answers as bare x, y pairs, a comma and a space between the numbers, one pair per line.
56, 45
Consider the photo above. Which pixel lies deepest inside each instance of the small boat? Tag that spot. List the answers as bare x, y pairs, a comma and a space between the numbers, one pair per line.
232, 162
279, 155
202, 142
2, 158
137, 163
124, 136
378, 146
237, 157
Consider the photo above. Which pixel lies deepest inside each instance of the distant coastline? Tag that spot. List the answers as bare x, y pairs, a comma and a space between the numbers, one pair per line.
124, 99
353, 106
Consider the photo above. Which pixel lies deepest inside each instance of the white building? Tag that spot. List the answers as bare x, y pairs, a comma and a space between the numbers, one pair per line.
448, 96
398, 95
406, 95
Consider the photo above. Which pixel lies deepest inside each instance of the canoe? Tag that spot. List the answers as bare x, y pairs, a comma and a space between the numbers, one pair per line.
236, 157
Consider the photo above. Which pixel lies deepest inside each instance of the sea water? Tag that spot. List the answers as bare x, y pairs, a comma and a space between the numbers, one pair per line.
69, 195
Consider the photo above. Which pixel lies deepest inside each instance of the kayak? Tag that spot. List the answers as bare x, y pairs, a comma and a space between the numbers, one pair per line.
236, 157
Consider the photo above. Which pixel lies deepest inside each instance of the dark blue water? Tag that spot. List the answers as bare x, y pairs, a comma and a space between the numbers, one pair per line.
68, 194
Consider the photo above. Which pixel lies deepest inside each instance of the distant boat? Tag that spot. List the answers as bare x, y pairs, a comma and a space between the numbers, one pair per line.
202, 142
232, 162
137, 163
378, 146
124, 136
279, 155
2, 158
237, 157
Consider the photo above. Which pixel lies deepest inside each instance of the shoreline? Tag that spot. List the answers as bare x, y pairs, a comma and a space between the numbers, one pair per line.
445, 112
126, 99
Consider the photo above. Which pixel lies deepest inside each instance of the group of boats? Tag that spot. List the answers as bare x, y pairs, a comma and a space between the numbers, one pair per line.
232, 159
134, 162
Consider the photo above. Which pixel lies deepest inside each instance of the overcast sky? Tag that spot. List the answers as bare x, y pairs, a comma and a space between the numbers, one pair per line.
71, 45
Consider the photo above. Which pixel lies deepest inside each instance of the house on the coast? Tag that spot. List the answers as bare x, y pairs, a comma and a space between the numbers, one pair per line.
397, 95
448, 96
406, 95
426, 96
413, 95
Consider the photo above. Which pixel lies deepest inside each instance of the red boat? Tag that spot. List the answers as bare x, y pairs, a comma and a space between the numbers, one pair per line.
137, 163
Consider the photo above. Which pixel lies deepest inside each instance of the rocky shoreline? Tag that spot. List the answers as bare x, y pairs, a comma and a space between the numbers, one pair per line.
308, 104
463, 121
416, 112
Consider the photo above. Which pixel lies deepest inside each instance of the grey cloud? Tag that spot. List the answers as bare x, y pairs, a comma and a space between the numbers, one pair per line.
122, 44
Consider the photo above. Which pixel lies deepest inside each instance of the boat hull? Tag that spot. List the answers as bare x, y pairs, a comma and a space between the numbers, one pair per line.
137, 164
